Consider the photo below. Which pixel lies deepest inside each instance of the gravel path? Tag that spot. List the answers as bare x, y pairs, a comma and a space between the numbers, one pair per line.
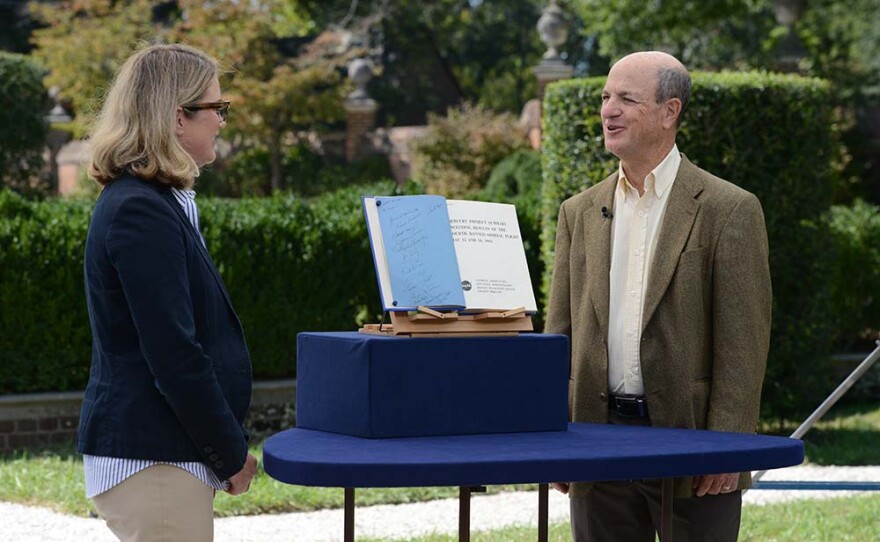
30, 524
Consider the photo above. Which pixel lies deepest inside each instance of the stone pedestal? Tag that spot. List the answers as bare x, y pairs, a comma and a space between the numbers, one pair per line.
72, 161
360, 119
549, 71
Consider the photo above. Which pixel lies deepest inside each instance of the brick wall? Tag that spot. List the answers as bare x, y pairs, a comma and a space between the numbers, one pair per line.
37, 420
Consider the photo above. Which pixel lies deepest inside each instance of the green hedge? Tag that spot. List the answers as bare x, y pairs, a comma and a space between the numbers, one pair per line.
772, 135
44, 332
290, 265
856, 233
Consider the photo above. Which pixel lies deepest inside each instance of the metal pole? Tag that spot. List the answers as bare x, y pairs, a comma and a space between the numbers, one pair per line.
348, 535
543, 512
464, 514
831, 400
666, 500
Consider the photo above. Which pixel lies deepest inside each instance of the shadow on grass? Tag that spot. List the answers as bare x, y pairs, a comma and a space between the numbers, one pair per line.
843, 446
848, 434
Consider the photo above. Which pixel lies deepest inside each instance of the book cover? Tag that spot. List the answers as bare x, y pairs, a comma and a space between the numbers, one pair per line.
447, 255
491, 259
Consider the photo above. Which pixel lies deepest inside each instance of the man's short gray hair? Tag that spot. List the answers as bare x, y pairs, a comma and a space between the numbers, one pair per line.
674, 83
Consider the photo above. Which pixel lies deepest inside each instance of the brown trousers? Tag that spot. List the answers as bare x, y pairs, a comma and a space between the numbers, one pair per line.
629, 511
161, 503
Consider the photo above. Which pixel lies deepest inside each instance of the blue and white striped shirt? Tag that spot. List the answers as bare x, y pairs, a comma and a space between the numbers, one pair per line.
187, 200
105, 473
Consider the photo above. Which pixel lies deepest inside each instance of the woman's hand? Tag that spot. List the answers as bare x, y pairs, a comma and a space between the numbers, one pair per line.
241, 481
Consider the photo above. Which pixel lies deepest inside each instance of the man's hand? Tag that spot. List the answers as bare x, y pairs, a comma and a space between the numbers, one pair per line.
561, 487
241, 481
716, 484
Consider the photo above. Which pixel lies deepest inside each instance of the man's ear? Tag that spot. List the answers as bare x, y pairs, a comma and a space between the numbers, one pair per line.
671, 111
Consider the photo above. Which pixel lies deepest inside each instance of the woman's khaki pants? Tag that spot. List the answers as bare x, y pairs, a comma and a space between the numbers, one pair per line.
161, 503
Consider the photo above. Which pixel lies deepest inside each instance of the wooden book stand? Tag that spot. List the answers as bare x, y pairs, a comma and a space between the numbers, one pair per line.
426, 322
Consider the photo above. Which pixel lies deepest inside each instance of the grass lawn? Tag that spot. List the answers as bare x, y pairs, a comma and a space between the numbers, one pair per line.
853, 519
54, 479
848, 436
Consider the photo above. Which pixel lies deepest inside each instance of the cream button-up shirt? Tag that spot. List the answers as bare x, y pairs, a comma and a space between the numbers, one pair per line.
637, 222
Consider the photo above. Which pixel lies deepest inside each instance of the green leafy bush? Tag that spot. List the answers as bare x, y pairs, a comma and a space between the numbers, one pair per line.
23, 132
456, 154
249, 170
519, 173
770, 134
856, 233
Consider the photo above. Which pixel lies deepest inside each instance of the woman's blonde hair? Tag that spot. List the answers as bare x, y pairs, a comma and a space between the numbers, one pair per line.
135, 130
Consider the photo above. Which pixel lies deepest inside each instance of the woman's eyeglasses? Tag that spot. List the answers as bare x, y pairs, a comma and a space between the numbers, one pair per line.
221, 107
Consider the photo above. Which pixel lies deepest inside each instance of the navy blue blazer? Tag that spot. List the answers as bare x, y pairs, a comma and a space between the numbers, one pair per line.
171, 375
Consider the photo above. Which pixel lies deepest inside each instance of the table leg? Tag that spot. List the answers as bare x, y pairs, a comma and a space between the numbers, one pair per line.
348, 535
464, 514
666, 499
543, 511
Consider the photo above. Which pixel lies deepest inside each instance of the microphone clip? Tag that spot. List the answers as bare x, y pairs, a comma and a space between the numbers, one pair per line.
606, 213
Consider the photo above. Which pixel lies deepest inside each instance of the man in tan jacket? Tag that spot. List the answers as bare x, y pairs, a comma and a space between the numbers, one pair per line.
661, 280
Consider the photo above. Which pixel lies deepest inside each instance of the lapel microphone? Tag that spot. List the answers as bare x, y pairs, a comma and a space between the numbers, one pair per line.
606, 213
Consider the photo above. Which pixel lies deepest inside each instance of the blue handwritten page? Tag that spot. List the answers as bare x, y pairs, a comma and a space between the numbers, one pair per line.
422, 266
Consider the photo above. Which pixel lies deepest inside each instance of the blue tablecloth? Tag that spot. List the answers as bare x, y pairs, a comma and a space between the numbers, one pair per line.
585, 452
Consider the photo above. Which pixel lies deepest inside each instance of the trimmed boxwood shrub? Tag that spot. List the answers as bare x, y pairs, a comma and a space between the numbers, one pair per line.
45, 343
770, 134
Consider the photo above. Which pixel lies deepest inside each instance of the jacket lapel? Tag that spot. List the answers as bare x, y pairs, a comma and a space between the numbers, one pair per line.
597, 235
197, 242
681, 211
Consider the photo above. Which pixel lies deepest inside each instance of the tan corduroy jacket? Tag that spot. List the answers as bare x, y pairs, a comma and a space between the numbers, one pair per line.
706, 323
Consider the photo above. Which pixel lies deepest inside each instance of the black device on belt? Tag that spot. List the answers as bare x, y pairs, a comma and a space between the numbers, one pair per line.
628, 406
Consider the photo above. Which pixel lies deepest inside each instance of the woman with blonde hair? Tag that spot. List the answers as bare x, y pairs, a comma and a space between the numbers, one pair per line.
170, 382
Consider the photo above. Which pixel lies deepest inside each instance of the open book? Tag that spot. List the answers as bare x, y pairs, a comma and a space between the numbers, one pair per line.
448, 254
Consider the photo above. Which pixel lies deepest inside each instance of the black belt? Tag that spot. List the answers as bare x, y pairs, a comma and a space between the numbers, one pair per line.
628, 406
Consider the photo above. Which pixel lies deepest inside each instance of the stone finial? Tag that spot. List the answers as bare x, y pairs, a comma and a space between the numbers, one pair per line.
553, 29
360, 71
58, 113
790, 49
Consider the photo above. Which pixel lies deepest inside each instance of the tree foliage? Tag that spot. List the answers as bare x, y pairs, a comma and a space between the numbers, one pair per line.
23, 131
84, 43
273, 95
703, 35
841, 43
439, 54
